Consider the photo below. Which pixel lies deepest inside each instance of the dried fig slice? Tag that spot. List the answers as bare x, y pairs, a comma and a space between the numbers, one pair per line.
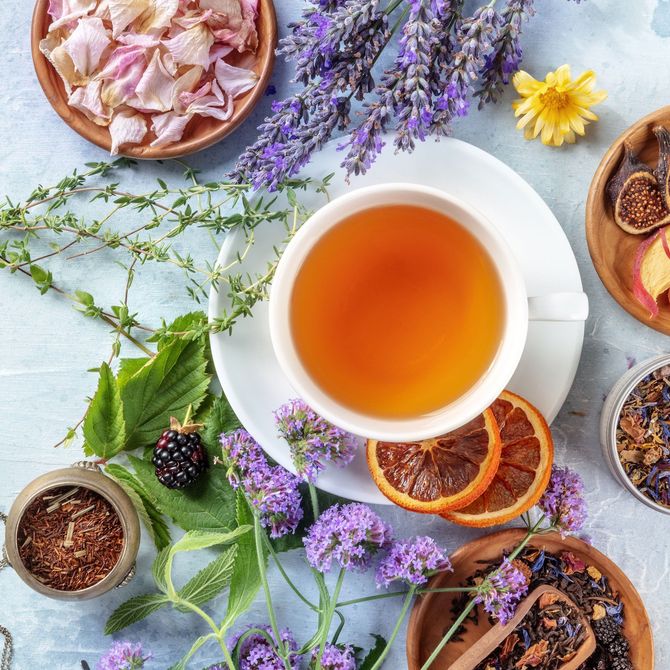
662, 171
636, 197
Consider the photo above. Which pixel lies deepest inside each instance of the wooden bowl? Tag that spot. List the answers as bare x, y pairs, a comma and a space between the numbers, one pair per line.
201, 132
431, 614
613, 250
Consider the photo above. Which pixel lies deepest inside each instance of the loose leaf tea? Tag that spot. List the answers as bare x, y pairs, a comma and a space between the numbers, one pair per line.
549, 636
643, 436
70, 538
591, 592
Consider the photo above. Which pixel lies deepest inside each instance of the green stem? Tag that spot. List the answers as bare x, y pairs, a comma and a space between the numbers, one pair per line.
330, 612
260, 556
287, 579
396, 594
313, 496
396, 630
450, 633
226, 654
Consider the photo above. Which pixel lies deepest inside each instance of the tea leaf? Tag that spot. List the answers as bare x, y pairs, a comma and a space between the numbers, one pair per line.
149, 513
246, 579
221, 419
134, 610
203, 539
173, 380
374, 653
207, 505
104, 426
211, 580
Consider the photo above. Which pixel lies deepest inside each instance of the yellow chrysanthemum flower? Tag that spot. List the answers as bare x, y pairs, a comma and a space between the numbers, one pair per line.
556, 108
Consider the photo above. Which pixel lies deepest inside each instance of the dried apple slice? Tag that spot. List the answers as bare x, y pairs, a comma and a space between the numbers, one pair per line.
651, 272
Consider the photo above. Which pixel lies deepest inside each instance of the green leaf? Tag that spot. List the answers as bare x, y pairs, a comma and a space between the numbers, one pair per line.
211, 580
195, 540
85, 298
159, 568
207, 505
134, 610
128, 367
181, 665
149, 513
104, 427
221, 419
374, 653
246, 579
193, 321
173, 380
41, 277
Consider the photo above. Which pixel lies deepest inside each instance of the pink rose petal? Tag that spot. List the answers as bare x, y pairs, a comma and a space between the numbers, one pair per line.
192, 46
193, 18
234, 80
144, 40
155, 88
218, 51
159, 15
86, 44
124, 12
66, 11
61, 62
127, 128
122, 74
184, 85
214, 105
87, 99
168, 128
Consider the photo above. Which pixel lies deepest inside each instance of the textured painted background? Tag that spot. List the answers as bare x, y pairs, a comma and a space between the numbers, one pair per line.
46, 347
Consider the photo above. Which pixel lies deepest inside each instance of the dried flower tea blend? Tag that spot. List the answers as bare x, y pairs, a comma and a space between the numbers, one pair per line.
588, 588
70, 538
643, 436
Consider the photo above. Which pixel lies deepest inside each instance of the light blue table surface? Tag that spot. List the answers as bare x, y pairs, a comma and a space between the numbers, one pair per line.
46, 347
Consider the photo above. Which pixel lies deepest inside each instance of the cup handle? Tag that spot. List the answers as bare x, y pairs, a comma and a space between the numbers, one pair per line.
558, 307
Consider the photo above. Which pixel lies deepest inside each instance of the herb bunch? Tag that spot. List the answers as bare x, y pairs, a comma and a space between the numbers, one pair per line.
444, 58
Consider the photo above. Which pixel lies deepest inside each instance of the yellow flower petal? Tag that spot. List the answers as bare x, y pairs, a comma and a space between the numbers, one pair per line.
525, 84
562, 75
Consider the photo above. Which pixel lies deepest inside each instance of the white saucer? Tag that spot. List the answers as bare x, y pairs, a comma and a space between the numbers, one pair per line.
246, 364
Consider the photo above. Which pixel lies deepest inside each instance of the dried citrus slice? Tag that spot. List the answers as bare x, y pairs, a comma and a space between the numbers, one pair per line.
524, 470
440, 474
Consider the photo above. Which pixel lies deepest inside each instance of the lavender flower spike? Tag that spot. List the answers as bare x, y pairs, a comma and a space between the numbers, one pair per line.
123, 656
256, 652
410, 561
348, 535
502, 590
314, 442
563, 500
335, 658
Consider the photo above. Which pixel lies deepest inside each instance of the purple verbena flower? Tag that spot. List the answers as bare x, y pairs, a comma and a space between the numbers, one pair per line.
335, 657
241, 455
257, 653
314, 442
349, 534
502, 590
123, 656
411, 561
563, 500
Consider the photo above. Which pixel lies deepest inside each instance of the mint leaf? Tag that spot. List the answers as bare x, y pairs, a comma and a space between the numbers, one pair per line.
211, 580
159, 568
374, 653
207, 505
134, 610
195, 540
104, 427
165, 387
149, 513
246, 579
221, 419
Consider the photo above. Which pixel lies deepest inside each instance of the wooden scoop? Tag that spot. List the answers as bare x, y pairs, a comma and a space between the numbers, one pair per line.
489, 642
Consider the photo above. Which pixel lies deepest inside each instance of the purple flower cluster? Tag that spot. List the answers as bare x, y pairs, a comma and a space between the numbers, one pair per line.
350, 535
411, 561
563, 500
336, 657
272, 491
335, 46
502, 590
314, 442
256, 652
123, 656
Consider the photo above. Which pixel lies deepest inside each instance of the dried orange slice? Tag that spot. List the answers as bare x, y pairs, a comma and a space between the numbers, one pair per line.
440, 474
524, 470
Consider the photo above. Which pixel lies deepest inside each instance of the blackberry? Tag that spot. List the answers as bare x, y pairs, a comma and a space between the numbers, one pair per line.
179, 455
619, 648
606, 630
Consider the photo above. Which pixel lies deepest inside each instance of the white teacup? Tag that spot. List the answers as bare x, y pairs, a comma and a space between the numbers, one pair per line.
519, 309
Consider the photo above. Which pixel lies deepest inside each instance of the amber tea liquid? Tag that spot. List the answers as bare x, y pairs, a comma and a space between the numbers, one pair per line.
397, 311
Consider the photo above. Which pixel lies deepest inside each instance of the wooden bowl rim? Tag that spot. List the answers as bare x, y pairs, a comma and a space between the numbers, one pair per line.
608, 164
40, 20
506, 539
